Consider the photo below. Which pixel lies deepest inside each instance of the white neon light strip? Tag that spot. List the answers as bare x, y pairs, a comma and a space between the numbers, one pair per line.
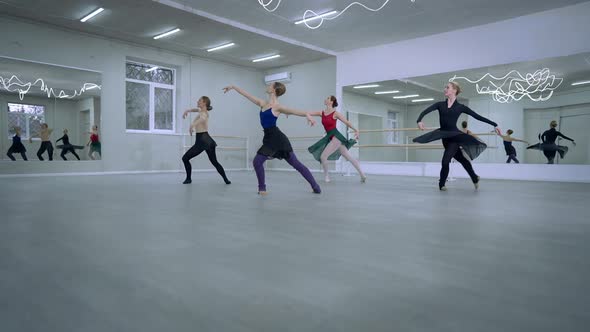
166, 34
421, 100
91, 15
366, 86
267, 58
14, 84
386, 92
514, 86
151, 69
310, 15
581, 83
220, 47
406, 96
317, 17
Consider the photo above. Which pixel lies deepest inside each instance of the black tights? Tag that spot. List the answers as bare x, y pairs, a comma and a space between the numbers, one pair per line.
453, 150
550, 155
195, 151
512, 157
45, 146
9, 154
66, 150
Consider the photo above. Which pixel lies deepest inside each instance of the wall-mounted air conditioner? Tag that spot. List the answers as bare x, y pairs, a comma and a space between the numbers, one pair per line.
278, 77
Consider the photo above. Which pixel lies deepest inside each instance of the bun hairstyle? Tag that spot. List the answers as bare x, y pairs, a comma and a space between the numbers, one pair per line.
464, 124
207, 102
509, 131
334, 101
456, 86
553, 124
280, 88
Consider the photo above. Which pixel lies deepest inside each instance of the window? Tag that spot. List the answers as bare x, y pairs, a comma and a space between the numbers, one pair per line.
150, 98
392, 136
27, 117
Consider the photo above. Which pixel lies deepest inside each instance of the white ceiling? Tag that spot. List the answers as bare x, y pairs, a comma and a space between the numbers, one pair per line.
357, 28
570, 68
58, 78
137, 21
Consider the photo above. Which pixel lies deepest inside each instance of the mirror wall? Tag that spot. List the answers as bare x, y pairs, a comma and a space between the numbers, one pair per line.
49, 113
523, 97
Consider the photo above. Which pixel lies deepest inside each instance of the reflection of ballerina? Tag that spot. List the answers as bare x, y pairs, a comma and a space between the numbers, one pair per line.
334, 144
94, 143
548, 146
67, 147
17, 146
510, 150
46, 145
452, 138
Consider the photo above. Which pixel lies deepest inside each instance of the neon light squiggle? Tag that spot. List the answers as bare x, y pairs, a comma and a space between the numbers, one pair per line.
23, 88
310, 14
537, 86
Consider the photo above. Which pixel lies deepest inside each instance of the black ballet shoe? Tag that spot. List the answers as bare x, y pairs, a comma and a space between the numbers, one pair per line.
187, 181
317, 190
476, 183
227, 181
442, 188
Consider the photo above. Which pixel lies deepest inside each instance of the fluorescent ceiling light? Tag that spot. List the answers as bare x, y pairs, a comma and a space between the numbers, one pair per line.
220, 47
267, 58
91, 15
580, 83
151, 69
405, 97
421, 100
386, 92
366, 86
166, 34
317, 17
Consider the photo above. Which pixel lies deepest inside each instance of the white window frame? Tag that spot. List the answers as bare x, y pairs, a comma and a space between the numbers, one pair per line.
392, 136
152, 106
26, 132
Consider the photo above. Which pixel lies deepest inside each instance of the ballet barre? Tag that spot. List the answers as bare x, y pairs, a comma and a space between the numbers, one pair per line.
224, 148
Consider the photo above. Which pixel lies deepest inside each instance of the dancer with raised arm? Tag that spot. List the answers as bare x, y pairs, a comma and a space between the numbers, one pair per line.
548, 145
275, 144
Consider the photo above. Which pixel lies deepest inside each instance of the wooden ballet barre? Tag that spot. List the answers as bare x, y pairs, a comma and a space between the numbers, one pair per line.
236, 137
305, 137
221, 147
413, 146
390, 130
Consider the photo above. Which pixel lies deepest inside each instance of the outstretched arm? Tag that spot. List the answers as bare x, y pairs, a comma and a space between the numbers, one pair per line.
59, 139
192, 110
291, 111
563, 136
470, 112
342, 118
259, 102
423, 114
318, 113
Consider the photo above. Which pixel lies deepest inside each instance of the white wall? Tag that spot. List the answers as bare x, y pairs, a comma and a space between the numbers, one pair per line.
557, 32
123, 151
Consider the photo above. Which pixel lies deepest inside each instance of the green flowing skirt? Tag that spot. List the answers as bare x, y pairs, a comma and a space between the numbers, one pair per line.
319, 147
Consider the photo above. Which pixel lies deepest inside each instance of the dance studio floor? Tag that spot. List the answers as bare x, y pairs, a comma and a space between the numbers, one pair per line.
146, 253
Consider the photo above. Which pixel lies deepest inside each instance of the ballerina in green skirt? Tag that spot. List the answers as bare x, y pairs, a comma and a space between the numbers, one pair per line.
334, 144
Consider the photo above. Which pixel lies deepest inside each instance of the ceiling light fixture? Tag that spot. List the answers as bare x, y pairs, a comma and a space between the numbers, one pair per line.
366, 86
581, 83
91, 15
406, 96
220, 47
386, 92
267, 58
166, 34
421, 100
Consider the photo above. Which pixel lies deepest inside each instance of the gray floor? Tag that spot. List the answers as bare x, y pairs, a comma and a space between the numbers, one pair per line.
145, 253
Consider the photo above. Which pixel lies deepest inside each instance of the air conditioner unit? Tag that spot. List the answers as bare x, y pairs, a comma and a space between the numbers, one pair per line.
278, 77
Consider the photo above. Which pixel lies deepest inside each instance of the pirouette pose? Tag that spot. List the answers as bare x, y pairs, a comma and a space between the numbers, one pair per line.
454, 141
510, 150
334, 144
94, 143
203, 141
17, 146
67, 146
548, 146
46, 145
275, 144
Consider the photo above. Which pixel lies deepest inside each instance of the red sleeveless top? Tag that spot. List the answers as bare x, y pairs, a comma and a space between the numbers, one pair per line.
94, 138
328, 121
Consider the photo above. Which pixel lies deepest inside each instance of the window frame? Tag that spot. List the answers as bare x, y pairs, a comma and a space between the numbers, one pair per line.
26, 131
393, 136
152, 102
